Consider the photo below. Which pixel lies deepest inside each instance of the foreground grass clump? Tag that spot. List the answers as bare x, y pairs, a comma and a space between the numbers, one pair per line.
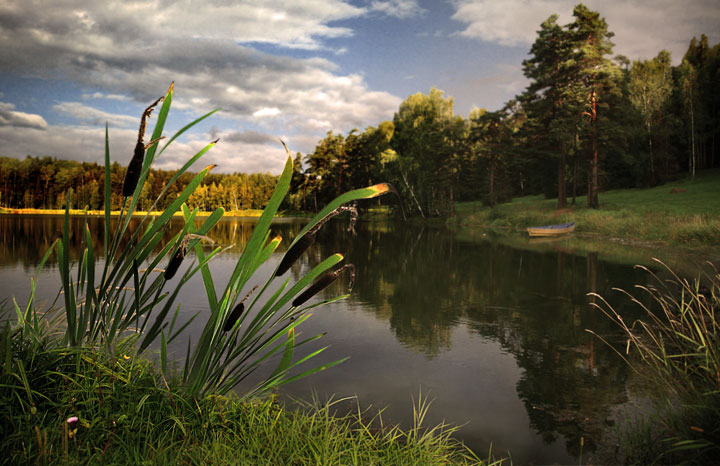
677, 348
123, 411
684, 212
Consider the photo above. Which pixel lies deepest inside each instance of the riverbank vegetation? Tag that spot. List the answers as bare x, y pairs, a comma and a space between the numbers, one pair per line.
76, 386
676, 346
681, 212
82, 406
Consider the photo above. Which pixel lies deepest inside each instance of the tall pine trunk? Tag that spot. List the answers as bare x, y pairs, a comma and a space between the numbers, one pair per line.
593, 187
562, 189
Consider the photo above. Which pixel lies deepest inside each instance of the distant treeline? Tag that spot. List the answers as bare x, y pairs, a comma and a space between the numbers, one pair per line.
46, 183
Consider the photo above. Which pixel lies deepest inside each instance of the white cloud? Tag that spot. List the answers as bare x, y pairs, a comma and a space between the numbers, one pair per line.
9, 117
398, 8
642, 27
267, 112
101, 95
93, 116
137, 49
235, 152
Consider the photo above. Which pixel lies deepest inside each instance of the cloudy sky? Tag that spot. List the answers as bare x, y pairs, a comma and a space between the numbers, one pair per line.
277, 69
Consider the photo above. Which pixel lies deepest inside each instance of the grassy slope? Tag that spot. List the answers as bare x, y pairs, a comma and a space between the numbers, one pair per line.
689, 217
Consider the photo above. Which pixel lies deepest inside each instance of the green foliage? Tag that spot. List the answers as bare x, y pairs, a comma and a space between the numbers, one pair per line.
123, 300
684, 212
129, 413
83, 182
650, 86
677, 347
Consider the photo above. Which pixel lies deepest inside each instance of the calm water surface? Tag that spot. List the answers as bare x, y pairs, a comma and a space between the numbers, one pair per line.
494, 331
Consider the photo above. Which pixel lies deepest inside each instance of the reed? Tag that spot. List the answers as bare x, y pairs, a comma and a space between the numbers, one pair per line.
677, 347
131, 297
79, 406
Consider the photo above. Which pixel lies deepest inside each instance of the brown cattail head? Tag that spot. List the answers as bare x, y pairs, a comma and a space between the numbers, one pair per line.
321, 283
233, 317
133, 171
176, 260
295, 251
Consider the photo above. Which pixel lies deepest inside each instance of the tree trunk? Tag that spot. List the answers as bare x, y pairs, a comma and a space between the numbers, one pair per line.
562, 190
452, 202
492, 185
693, 160
412, 193
653, 179
593, 187
574, 179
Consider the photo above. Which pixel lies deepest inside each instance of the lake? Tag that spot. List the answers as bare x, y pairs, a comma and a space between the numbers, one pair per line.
492, 329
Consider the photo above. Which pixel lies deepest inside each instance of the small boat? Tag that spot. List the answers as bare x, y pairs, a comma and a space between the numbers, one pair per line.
551, 230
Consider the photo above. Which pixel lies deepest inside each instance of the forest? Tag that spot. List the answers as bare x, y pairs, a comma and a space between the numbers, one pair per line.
588, 121
46, 183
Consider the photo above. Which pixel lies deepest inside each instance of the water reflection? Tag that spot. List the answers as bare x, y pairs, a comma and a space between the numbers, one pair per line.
473, 320
424, 283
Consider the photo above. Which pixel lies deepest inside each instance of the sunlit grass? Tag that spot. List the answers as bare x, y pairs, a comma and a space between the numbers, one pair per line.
128, 413
686, 211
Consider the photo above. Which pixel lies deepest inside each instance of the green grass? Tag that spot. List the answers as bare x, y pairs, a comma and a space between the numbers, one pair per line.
676, 348
690, 217
130, 414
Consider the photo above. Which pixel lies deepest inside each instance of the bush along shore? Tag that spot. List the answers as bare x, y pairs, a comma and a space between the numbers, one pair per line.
684, 212
76, 385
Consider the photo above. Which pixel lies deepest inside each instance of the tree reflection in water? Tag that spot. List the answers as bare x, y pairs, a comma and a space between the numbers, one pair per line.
426, 283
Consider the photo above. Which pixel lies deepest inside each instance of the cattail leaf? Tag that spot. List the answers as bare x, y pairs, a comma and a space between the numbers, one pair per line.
363, 193
286, 360
107, 189
233, 317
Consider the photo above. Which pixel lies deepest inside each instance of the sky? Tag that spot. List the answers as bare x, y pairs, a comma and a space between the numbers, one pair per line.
290, 70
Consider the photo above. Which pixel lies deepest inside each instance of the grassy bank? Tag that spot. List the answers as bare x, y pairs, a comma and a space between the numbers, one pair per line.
123, 411
682, 212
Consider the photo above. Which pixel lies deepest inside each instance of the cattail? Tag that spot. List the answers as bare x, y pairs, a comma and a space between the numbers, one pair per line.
132, 176
233, 317
176, 260
320, 284
295, 251
133, 171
